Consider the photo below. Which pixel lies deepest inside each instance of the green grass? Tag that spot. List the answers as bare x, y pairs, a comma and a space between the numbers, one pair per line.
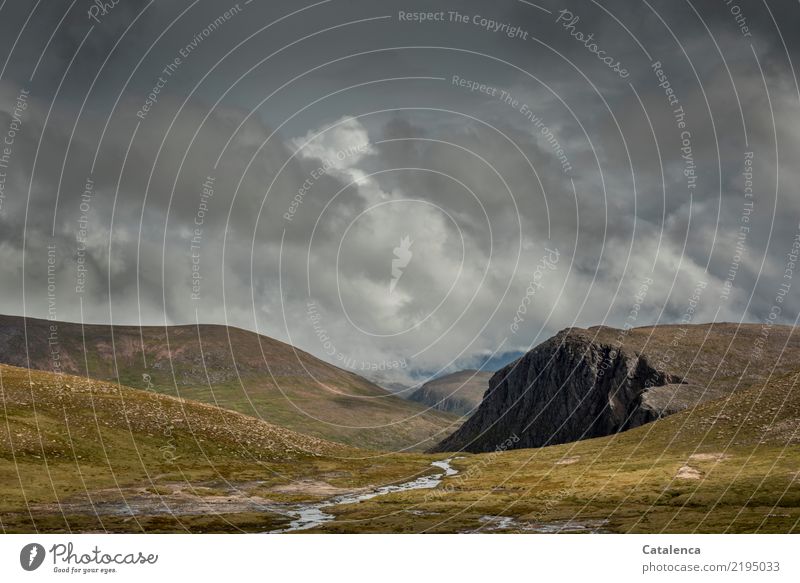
65, 443
235, 369
745, 451
386, 423
749, 478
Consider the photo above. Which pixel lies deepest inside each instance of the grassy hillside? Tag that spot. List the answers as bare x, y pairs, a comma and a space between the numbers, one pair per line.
85, 455
725, 355
231, 368
730, 465
81, 455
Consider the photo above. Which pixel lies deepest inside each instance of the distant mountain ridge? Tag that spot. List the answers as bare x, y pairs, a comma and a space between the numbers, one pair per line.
459, 392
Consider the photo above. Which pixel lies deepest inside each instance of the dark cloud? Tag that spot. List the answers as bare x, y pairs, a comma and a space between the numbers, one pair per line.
334, 134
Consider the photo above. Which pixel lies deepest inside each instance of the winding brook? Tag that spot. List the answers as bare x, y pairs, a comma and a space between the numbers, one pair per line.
313, 515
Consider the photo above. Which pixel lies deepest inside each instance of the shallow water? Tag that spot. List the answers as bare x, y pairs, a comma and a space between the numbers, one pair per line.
312, 515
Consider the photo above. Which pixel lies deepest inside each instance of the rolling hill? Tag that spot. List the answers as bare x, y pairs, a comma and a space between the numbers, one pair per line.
231, 368
78, 454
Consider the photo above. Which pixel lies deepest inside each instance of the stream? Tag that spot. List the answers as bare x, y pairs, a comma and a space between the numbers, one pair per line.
312, 515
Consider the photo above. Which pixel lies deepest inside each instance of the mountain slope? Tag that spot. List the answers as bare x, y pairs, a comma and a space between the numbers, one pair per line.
459, 392
726, 466
35, 403
231, 368
590, 383
85, 455
79, 455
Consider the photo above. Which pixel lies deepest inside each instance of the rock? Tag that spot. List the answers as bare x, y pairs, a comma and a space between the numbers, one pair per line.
570, 388
688, 473
566, 461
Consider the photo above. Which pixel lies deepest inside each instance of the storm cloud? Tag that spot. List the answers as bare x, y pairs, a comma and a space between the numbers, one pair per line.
400, 188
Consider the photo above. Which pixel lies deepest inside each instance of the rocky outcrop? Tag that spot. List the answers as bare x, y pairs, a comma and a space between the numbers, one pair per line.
567, 389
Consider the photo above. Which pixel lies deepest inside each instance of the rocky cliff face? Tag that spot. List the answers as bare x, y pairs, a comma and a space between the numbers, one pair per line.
566, 389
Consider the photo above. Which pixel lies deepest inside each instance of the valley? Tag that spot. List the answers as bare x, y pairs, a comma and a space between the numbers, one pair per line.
459, 392
720, 452
234, 369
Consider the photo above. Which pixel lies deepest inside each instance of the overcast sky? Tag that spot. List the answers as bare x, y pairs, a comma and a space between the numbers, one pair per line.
384, 187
